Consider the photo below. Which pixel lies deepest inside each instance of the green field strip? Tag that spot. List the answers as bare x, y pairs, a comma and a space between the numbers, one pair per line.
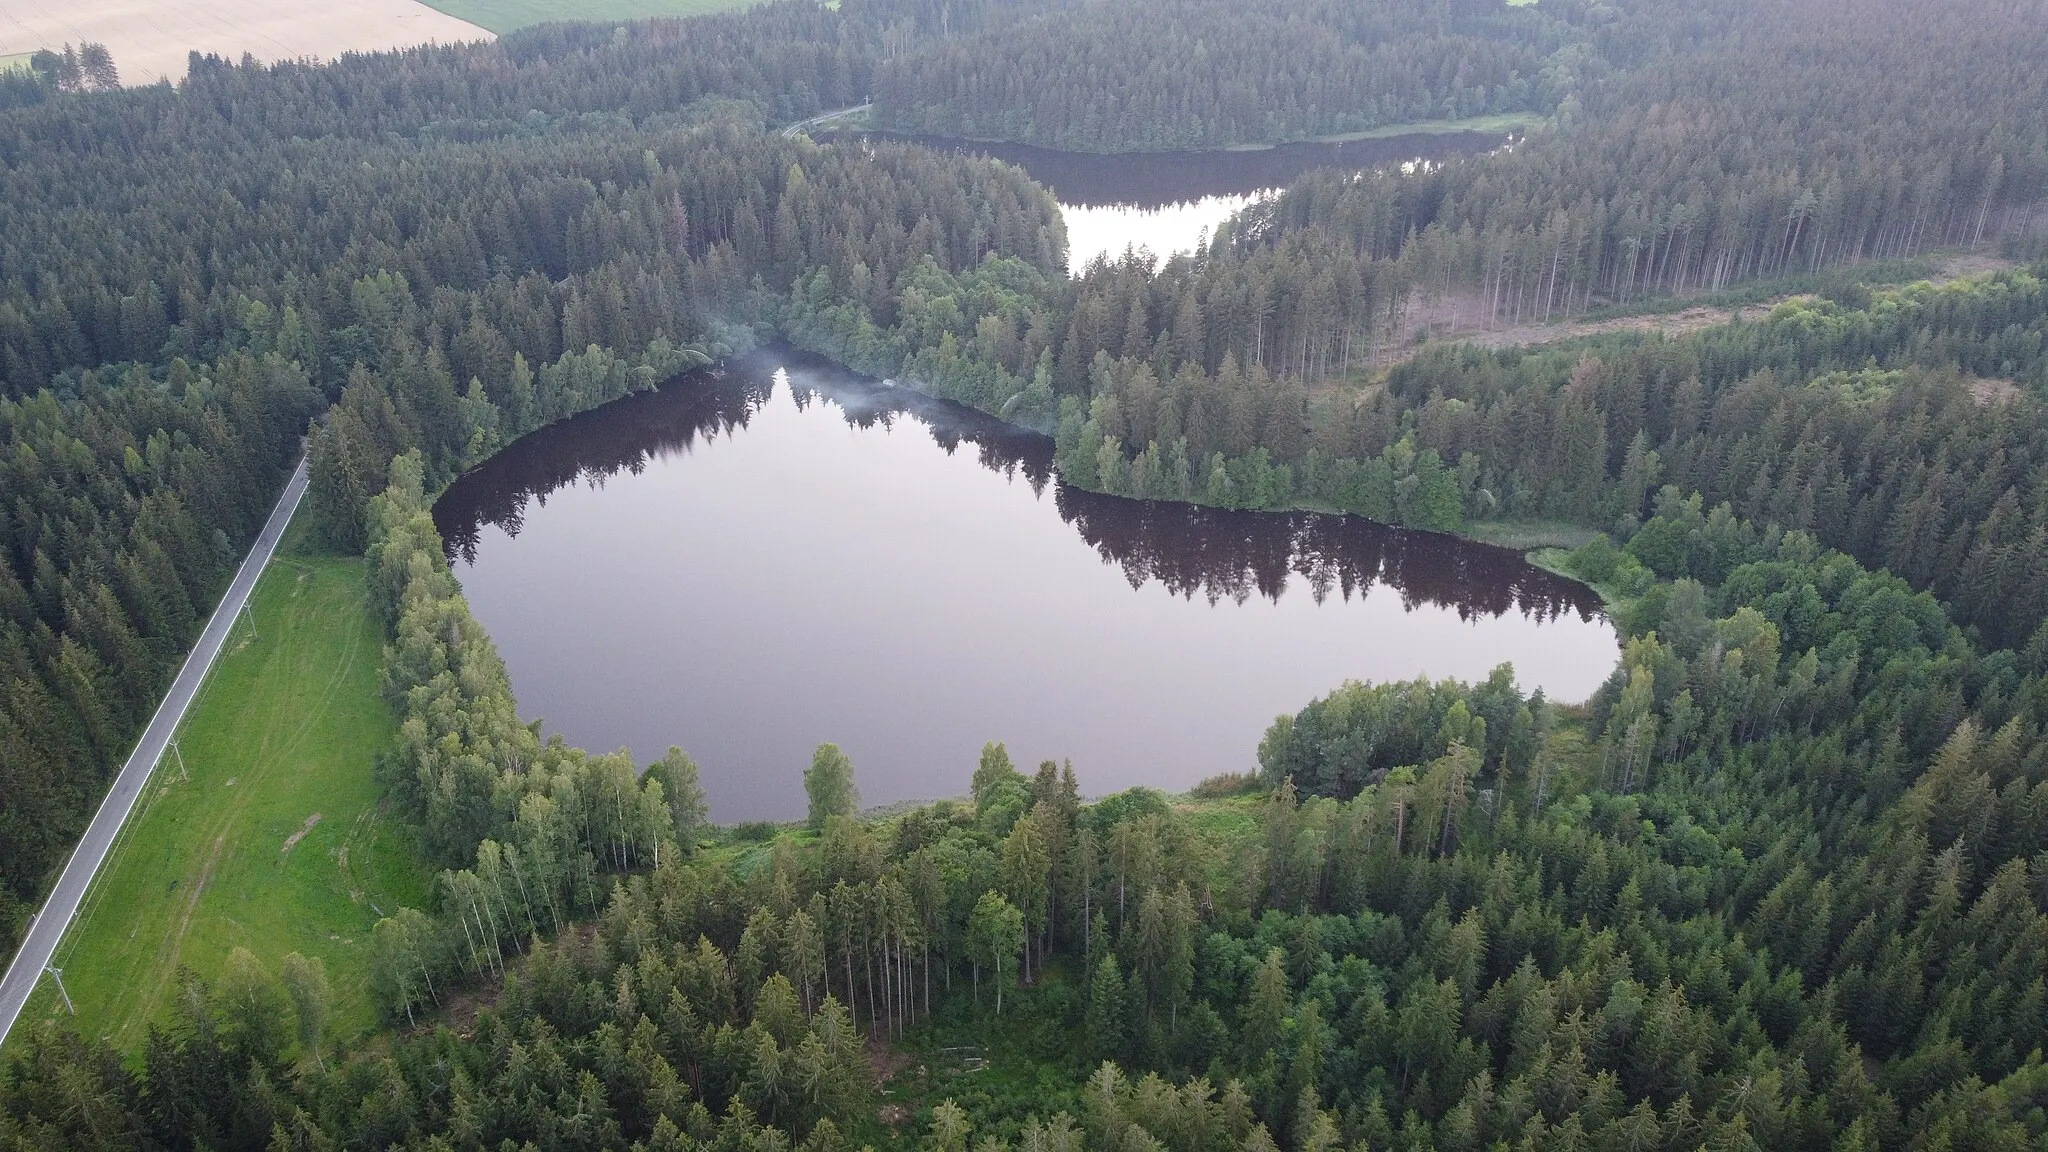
270, 835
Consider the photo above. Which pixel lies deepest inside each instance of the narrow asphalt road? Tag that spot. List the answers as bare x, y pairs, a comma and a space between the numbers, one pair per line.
801, 126
49, 925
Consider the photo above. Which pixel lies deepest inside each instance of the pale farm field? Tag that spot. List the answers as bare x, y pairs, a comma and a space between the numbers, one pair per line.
150, 39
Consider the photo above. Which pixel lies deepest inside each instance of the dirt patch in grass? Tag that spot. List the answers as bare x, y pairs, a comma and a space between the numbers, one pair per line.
292, 840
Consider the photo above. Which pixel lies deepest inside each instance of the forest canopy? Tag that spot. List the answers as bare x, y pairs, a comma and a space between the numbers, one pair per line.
1778, 884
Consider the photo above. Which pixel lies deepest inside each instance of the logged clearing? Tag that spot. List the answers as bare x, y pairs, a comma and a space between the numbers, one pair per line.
1459, 318
271, 837
1681, 323
1451, 320
150, 39
503, 16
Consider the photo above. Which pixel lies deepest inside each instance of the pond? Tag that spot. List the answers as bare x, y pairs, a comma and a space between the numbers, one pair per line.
753, 565
1167, 201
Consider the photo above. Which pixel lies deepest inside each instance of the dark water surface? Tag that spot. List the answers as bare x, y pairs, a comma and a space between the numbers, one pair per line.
1164, 201
793, 554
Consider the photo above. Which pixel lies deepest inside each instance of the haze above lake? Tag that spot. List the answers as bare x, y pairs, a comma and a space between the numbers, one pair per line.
751, 566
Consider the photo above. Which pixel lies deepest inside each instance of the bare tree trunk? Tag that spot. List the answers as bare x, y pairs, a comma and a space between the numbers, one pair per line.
852, 1005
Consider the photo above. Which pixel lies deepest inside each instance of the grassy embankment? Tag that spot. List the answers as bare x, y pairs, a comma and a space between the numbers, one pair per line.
15, 63
1502, 122
1497, 123
272, 838
502, 16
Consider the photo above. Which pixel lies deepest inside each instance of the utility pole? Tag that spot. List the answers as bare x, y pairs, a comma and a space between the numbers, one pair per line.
58, 975
251, 618
182, 774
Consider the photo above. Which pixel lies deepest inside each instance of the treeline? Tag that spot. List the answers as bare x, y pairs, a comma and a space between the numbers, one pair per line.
448, 296
1772, 888
1701, 163
1693, 147
86, 68
1651, 182
130, 495
533, 826
1123, 76
1871, 429
457, 243
1722, 163
136, 225
1190, 549
652, 258
1897, 425
1777, 885
1719, 160
894, 214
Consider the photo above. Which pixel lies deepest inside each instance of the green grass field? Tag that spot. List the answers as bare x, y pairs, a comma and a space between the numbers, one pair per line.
502, 16
15, 63
272, 839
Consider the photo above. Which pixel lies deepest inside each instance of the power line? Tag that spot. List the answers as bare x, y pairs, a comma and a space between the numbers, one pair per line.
57, 974
74, 884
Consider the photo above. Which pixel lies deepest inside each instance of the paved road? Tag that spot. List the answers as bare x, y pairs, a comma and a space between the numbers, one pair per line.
49, 925
800, 126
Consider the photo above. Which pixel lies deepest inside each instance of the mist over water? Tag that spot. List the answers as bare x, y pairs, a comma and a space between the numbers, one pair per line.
750, 566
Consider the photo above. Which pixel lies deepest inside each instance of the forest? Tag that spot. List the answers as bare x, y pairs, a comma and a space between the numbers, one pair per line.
1774, 886
1777, 885
1122, 76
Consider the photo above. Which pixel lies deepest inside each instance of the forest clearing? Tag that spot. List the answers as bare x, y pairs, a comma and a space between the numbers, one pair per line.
1459, 318
151, 42
263, 831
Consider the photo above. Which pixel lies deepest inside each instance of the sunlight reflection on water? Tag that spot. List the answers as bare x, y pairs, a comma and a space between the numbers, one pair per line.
1107, 229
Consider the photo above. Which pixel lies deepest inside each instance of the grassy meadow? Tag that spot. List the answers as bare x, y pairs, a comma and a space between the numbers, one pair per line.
271, 838
502, 16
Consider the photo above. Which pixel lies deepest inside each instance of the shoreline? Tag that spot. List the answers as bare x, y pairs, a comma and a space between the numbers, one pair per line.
1499, 124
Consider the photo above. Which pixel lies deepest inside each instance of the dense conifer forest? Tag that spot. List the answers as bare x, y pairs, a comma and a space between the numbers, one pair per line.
1120, 76
1778, 884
